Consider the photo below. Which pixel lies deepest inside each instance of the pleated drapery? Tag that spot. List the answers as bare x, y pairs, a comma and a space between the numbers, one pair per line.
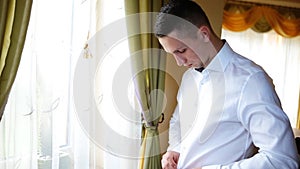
14, 19
148, 65
260, 18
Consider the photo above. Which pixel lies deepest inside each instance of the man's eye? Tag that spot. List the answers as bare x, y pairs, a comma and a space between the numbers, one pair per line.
182, 50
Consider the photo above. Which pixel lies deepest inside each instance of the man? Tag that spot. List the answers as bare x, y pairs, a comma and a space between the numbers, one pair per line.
228, 113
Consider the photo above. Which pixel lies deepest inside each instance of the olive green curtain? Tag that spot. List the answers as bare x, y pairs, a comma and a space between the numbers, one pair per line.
14, 19
148, 66
241, 16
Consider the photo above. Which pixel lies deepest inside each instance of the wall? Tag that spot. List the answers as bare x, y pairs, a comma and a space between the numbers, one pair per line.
214, 10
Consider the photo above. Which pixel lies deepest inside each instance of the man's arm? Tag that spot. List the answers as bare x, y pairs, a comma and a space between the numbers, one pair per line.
261, 114
174, 132
171, 157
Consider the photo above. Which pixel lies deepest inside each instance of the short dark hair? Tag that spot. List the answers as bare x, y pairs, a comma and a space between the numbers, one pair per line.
185, 9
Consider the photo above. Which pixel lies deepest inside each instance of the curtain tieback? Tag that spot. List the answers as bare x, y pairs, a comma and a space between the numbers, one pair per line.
162, 118
151, 125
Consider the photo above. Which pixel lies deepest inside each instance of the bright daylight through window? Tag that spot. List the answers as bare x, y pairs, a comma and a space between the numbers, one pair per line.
40, 128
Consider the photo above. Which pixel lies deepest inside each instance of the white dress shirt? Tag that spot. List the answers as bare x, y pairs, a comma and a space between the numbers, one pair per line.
227, 111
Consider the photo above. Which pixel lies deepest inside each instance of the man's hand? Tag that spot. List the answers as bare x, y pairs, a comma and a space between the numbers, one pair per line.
170, 160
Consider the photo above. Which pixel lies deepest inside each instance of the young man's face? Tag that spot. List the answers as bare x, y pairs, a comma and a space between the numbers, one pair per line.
187, 52
182, 53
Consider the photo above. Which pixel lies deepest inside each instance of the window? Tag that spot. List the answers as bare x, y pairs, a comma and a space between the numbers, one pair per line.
39, 128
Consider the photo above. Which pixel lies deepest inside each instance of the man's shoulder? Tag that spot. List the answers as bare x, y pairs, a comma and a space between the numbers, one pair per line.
243, 65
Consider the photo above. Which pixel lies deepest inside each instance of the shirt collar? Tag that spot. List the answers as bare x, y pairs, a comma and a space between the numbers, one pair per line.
221, 60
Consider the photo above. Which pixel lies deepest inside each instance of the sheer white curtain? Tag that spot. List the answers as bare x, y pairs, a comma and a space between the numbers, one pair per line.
279, 56
36, 131
40, 128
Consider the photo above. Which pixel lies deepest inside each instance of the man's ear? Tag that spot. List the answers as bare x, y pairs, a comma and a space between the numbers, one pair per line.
204, 33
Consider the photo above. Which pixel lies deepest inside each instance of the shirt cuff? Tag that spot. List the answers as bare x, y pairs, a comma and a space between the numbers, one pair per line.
174, 148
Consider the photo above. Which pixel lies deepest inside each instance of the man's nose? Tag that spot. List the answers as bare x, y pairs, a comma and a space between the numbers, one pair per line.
180, 60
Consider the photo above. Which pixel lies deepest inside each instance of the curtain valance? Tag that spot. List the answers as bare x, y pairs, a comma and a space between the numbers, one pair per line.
262, 18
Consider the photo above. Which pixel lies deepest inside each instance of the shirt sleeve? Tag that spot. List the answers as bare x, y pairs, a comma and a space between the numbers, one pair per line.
261, 114
174, 132
175, 127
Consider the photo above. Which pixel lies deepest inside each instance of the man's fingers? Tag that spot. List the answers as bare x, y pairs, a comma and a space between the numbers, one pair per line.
169, 160
168, 163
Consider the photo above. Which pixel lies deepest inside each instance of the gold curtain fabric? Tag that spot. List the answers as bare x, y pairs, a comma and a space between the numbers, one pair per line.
285, 21
14, 19
148, 65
